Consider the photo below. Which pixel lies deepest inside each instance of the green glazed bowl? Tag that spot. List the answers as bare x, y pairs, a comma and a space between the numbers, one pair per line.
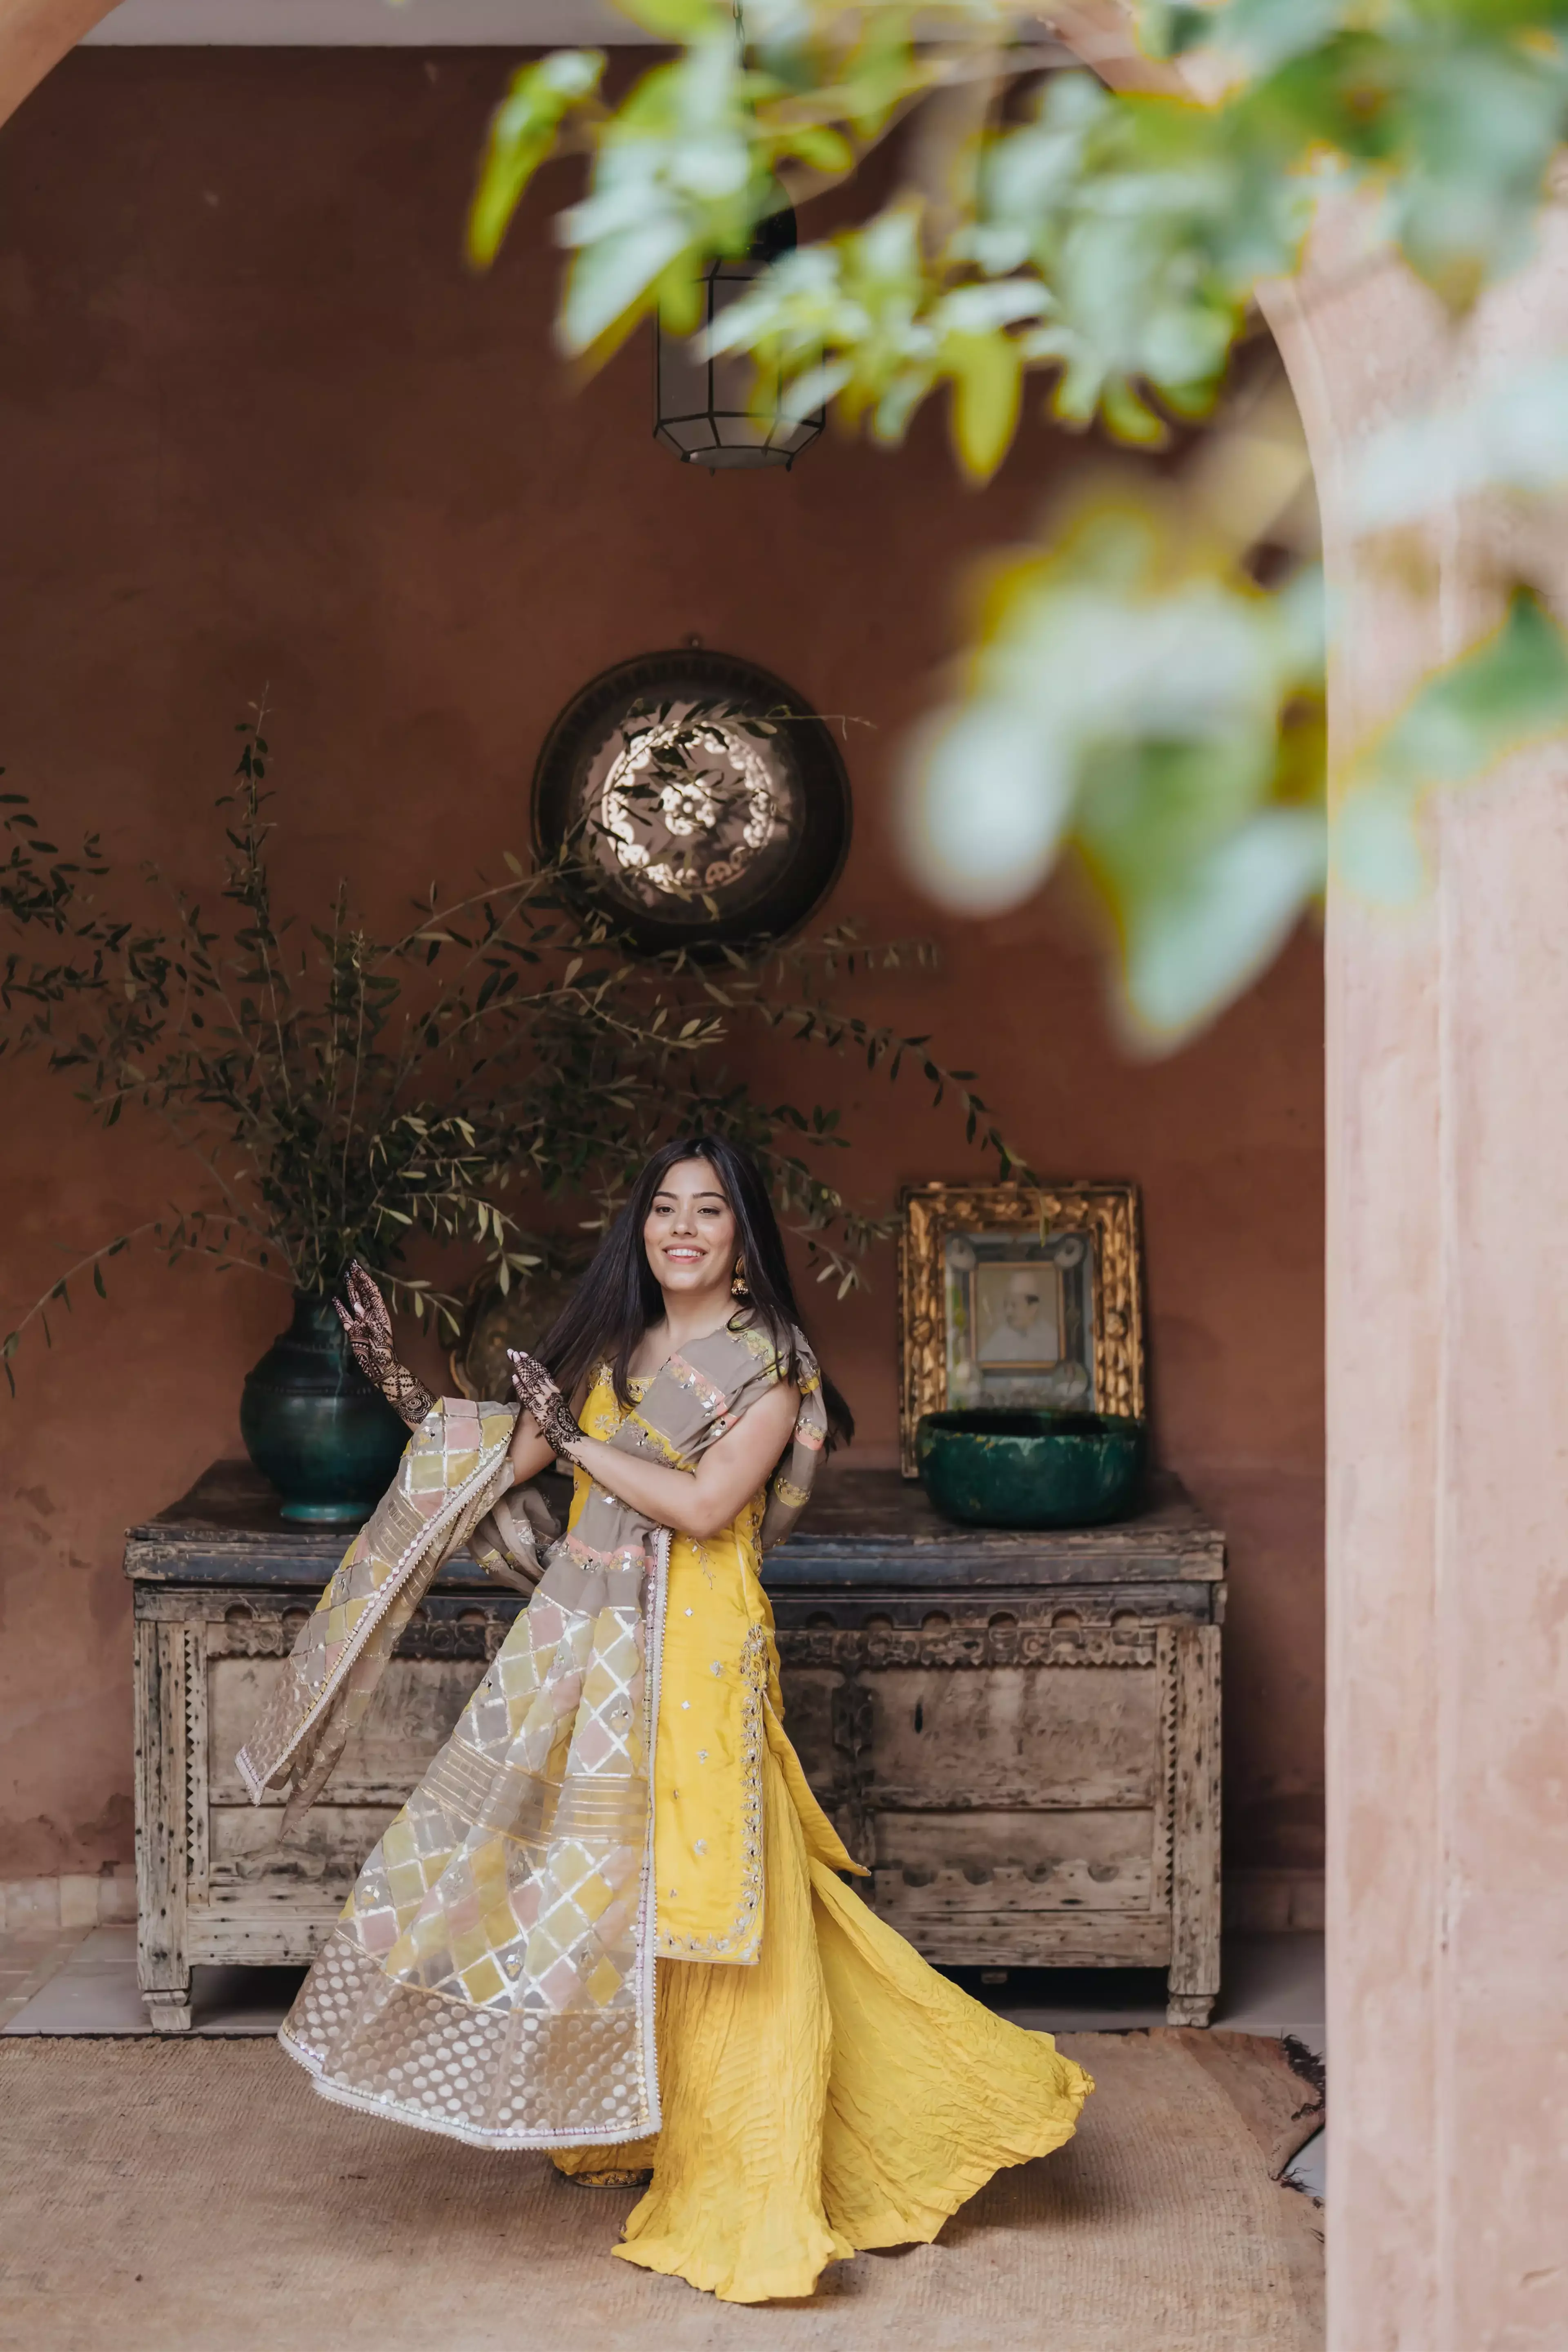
1032, 1469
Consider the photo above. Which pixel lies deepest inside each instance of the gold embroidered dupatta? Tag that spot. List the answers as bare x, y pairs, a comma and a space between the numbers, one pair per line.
454, 1469
491, 1976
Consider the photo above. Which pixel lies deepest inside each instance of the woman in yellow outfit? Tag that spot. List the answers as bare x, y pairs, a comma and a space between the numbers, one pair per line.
797, 2083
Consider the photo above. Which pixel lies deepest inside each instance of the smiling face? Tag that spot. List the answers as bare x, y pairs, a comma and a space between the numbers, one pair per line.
689, 1232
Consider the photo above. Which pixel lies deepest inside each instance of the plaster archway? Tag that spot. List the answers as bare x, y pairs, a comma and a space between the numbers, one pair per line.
1447, 1368
35, 35
1446, 1260
1447, 1265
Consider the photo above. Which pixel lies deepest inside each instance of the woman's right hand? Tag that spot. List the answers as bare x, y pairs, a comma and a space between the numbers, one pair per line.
368, 1326
539, 1394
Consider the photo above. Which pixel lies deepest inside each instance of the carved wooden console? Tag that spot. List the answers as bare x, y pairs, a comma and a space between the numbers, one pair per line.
1018, 1732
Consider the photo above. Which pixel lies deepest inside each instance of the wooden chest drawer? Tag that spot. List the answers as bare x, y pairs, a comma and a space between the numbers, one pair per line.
1018, 1735
1030, 1785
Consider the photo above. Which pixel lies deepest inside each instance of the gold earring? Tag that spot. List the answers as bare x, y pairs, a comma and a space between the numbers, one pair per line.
737, 1289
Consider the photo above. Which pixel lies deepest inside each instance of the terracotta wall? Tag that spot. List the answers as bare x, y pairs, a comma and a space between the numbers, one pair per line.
258, 427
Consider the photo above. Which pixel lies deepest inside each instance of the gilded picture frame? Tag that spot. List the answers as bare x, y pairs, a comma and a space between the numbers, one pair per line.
1018, 1296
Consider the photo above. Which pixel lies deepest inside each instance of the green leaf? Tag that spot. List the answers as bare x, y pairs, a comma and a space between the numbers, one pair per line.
523, 134
680, 296
1482, 124
880, 70
1508, 692
1512, 437
1129, 418
821, 149
678, 20
988, 377
1191, 945
613, 280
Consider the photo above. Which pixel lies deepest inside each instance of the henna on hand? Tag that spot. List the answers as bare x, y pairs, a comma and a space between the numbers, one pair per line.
368, 1326
539, 1394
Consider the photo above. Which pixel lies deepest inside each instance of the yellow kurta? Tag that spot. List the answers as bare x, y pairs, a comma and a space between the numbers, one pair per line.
823, 2089
719, 1671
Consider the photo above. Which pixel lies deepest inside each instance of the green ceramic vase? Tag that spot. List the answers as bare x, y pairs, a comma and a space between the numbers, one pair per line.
314, 1425
1003, 1469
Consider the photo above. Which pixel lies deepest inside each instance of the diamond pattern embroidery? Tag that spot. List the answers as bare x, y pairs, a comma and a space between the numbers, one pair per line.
445, 1452
489, 1977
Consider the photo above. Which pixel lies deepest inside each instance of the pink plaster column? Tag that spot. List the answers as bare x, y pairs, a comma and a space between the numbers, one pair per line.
1447, 1366
35, 36
1447, 1376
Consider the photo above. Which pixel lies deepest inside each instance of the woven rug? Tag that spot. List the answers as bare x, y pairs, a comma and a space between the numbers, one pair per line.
158, 2196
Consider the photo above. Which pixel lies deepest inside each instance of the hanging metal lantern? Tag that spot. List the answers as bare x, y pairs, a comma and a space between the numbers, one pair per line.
702, 406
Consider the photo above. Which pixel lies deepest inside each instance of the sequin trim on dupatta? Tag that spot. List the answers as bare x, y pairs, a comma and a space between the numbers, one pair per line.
453, 1469
491, 1977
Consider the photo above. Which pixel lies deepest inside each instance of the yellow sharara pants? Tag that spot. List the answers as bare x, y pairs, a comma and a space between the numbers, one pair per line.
838, 2095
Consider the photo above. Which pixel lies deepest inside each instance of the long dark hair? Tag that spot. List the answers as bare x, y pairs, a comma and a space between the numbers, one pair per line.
619, 1296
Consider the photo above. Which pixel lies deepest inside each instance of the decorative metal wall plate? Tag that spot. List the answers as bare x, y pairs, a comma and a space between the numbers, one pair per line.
701, 802
1017, 1297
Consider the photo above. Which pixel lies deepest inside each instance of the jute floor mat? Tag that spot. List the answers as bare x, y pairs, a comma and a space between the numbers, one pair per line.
198, 2196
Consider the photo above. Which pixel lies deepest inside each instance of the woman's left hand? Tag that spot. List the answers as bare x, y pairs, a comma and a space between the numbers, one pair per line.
538, 1393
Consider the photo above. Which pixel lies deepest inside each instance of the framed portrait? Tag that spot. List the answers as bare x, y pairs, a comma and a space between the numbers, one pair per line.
1019, 1298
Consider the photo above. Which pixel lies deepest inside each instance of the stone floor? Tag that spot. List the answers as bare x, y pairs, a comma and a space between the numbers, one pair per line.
72, 1980
31, 1958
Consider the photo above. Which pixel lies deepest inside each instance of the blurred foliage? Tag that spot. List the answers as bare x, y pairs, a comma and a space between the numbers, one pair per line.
343, 1093
1125, 692
1112, 239
1512, 437
1112, 243
1509, 690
